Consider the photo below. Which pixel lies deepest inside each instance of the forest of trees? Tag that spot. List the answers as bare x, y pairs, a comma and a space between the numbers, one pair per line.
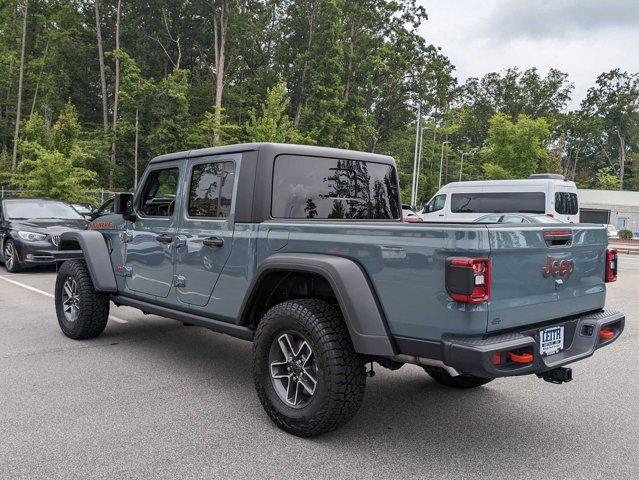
90, 90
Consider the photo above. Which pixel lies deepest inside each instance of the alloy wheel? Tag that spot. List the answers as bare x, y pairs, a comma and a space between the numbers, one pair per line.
293, 369
9, 255
71, 300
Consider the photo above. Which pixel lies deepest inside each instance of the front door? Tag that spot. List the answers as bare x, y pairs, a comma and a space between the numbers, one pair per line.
205, 233
150, 240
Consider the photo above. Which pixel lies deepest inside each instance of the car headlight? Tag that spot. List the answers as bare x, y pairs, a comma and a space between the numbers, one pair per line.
31, 236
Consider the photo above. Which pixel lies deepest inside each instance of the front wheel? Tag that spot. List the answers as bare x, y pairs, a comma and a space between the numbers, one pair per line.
307, 374
82, 312
11, 257
442, 377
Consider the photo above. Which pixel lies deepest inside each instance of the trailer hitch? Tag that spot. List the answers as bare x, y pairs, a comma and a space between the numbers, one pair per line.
557, 375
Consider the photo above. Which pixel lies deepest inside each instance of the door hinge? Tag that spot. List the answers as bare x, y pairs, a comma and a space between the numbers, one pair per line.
180, 241
126, 237
123, 271
179, 281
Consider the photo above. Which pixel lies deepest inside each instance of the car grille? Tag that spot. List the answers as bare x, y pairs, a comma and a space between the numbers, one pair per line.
55, 239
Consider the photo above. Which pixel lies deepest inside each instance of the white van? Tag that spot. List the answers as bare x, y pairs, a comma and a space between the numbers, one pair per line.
543, 193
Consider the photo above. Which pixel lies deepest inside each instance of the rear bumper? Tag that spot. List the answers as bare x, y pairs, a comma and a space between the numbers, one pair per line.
581, 338
475, 355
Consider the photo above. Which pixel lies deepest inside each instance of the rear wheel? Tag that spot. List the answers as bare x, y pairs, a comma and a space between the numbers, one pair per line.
442, 377
11, 257
82, 312
308, 377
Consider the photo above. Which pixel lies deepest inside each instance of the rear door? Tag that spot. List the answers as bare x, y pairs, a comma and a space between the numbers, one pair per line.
541, 273
205, 235
566, 205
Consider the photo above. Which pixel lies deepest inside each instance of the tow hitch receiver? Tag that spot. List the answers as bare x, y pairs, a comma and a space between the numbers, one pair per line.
557, 375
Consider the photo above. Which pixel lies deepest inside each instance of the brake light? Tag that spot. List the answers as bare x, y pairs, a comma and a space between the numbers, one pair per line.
551, 215
611, 265
468, 279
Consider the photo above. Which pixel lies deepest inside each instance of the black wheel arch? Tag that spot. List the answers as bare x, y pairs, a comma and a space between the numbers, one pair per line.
284, 276
92, 247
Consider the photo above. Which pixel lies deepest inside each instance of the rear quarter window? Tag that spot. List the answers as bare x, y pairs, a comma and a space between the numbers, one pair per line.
566, 203
331, 188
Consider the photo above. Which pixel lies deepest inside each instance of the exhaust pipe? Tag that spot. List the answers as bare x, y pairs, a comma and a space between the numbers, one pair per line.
557, 375
425, 362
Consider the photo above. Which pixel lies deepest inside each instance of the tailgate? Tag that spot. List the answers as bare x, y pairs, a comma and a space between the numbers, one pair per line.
541, 273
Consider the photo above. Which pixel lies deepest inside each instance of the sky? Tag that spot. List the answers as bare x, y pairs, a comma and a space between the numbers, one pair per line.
583, 38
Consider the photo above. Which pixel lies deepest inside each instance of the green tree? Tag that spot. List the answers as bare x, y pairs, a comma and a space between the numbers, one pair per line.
607, 179
516, 149
52, 174
273, 124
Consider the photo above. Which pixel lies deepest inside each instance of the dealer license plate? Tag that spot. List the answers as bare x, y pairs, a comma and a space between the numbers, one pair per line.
551, 340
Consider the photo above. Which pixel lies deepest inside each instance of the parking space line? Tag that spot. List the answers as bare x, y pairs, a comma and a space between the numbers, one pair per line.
47, 294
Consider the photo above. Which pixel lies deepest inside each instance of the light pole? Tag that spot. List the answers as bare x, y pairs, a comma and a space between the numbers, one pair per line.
461, 165
413, 193
419, 161
441, 164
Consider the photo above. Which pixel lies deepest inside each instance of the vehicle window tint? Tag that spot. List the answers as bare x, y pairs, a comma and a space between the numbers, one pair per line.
566, 203
158, 195
212, 190
523, 202
320, 188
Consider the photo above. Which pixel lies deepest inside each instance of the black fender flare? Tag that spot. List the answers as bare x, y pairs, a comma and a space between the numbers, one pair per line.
96, 255
355, 294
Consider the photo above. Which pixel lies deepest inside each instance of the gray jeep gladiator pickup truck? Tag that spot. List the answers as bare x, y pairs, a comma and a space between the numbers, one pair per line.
302, 251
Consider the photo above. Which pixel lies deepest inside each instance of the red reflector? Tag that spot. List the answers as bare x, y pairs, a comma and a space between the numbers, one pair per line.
606, 333
520, 357
611, 265
496, 358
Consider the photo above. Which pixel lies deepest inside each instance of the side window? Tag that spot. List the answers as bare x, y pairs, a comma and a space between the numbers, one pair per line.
436, 204
158, 195
211, 190
566, 203
320, 188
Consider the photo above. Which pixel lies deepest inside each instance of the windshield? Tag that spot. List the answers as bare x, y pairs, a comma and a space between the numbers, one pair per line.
39, 209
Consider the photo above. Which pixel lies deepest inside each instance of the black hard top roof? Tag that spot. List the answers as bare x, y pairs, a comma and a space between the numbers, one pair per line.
274, 149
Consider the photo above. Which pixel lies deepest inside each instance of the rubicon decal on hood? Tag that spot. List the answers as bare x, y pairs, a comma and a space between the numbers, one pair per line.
100, 226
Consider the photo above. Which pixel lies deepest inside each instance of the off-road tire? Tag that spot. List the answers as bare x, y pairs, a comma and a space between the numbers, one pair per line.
442, 377
93, 307
341, 374
14, 266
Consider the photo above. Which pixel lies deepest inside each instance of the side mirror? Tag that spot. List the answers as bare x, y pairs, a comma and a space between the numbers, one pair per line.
123, 205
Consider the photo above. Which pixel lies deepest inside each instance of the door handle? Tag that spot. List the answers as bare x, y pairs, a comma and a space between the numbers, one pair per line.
213, 242
164, 238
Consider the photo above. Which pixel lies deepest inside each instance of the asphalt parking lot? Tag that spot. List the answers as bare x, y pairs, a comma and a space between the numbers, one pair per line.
151, 398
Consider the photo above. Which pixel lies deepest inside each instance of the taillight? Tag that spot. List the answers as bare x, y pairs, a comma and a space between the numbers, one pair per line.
468, 279
611, 265
551, 215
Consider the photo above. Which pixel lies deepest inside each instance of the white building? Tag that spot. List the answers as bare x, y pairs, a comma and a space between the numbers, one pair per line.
619, 208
